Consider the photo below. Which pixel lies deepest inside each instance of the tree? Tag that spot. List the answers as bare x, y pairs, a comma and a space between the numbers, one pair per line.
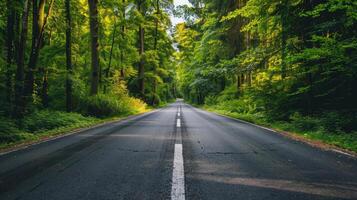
10, 47
94, 31
39, 21
69, 75
19, 78
141, 48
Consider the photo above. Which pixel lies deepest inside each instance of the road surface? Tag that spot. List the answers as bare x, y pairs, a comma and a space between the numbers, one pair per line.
177, 152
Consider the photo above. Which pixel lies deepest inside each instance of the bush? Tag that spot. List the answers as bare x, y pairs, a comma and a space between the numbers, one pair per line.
338, 122
211, 100
111, 105
9, 132
229, 93
46, 120
304, 123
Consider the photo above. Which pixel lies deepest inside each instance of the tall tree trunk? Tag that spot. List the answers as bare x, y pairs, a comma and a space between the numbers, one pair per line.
141, 69
284, 36
94, 31
19, 78
11, 14
154, 100
107, 71
122, 50
69, 74
238, 82
29, 79
44, 88
240, 44
38, 27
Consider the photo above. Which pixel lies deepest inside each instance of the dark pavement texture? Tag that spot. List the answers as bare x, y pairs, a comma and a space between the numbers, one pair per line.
132, 159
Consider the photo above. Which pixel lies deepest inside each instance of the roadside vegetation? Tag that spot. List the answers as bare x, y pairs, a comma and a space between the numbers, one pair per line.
68, 64
333, 128
290, 65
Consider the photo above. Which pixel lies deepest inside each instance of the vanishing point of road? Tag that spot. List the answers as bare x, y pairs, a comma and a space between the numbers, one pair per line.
177, 152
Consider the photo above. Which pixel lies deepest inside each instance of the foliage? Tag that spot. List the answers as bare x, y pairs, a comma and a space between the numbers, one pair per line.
289, 61
111, 105
44, 120
53, 79
9, 132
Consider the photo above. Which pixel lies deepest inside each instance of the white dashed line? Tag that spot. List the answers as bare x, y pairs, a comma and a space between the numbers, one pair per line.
178, 175
178, 123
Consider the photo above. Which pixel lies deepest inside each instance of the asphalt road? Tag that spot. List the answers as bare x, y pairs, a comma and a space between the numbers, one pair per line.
166, 155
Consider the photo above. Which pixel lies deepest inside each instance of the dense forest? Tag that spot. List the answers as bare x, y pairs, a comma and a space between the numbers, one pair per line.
90, 58
288, 64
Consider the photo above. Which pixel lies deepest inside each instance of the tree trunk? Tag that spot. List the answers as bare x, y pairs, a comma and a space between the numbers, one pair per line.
94, 31
284, 36
154, 100
107, 71
44, 89
141, 69
38, 27
122, 74
68, 56
238, 82
19, 78
239, 39
29, 79
9, 49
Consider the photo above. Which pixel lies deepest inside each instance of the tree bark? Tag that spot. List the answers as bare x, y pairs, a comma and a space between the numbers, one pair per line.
69, 68
284, 36
154, 100
141, 68
11, 14
94, 31
107, 71
29, 79
122, 74
38, 27
19, 78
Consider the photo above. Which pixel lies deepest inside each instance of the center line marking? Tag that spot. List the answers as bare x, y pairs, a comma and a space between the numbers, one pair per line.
178, 114
178, 123
178, 175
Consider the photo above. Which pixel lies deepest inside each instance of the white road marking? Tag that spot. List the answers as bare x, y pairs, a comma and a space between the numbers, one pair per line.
341, 152
178, 123
178, 114
178, 175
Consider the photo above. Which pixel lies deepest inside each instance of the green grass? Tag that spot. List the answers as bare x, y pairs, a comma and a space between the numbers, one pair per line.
46, 124
304, 128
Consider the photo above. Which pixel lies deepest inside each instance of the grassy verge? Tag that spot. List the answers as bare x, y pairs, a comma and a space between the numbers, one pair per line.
47, 124
347, 141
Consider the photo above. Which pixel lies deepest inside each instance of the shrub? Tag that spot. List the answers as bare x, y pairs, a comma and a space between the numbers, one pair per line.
304, 123
237, 106
111, 105
46, 120
229, 93
339, 122
9, 132
211, 100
